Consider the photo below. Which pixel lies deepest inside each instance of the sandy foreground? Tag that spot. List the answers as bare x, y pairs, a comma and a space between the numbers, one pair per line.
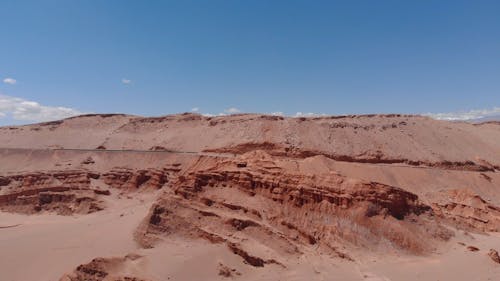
44, 247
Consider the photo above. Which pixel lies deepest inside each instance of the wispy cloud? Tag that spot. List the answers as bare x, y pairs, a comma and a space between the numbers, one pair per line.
25, 110
232, 110
308, 114
126, 81
10, 81
465, 115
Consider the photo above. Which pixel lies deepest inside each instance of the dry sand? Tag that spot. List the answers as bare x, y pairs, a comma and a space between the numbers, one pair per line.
44, 247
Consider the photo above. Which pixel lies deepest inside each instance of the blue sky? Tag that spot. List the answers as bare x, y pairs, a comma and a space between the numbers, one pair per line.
59, 58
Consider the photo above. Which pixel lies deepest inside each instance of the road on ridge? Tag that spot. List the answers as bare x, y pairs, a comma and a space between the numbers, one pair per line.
198, 153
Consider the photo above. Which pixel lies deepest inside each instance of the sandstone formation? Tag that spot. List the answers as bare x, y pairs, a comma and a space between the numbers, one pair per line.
267, 191
63, 192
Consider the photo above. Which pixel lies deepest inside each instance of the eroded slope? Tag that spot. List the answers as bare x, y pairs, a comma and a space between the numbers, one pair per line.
265, 193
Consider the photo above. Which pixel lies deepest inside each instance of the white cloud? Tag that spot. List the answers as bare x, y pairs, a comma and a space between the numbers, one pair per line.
126, 81
232, 110
195, 109
25, 110
465, 115
308, 114
10, 81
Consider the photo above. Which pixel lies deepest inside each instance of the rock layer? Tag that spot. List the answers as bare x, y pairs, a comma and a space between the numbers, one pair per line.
265, 201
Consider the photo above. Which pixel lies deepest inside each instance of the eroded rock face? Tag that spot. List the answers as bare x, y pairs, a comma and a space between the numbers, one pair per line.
302, 190
261, 195
122, 178
287, 212
4, 181
61, 192
372, 157
71, 191
61, 200
468, 210
35, 180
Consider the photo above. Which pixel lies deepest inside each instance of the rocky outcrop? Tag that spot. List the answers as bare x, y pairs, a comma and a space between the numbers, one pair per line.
248, 258
68, 178
120, 178
4, 181
100, 269
268, 191
227, 272
300, 190
493, 254
61, 200
287, 212
468, 210
371, 157
71, 191
63, 192
129, 179
88, 161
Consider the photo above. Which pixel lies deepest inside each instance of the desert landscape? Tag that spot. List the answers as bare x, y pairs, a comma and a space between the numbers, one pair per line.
250, 197
249, 140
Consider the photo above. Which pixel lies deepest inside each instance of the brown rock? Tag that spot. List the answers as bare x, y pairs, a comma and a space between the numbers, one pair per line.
226, 271
472, 248
493, 254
